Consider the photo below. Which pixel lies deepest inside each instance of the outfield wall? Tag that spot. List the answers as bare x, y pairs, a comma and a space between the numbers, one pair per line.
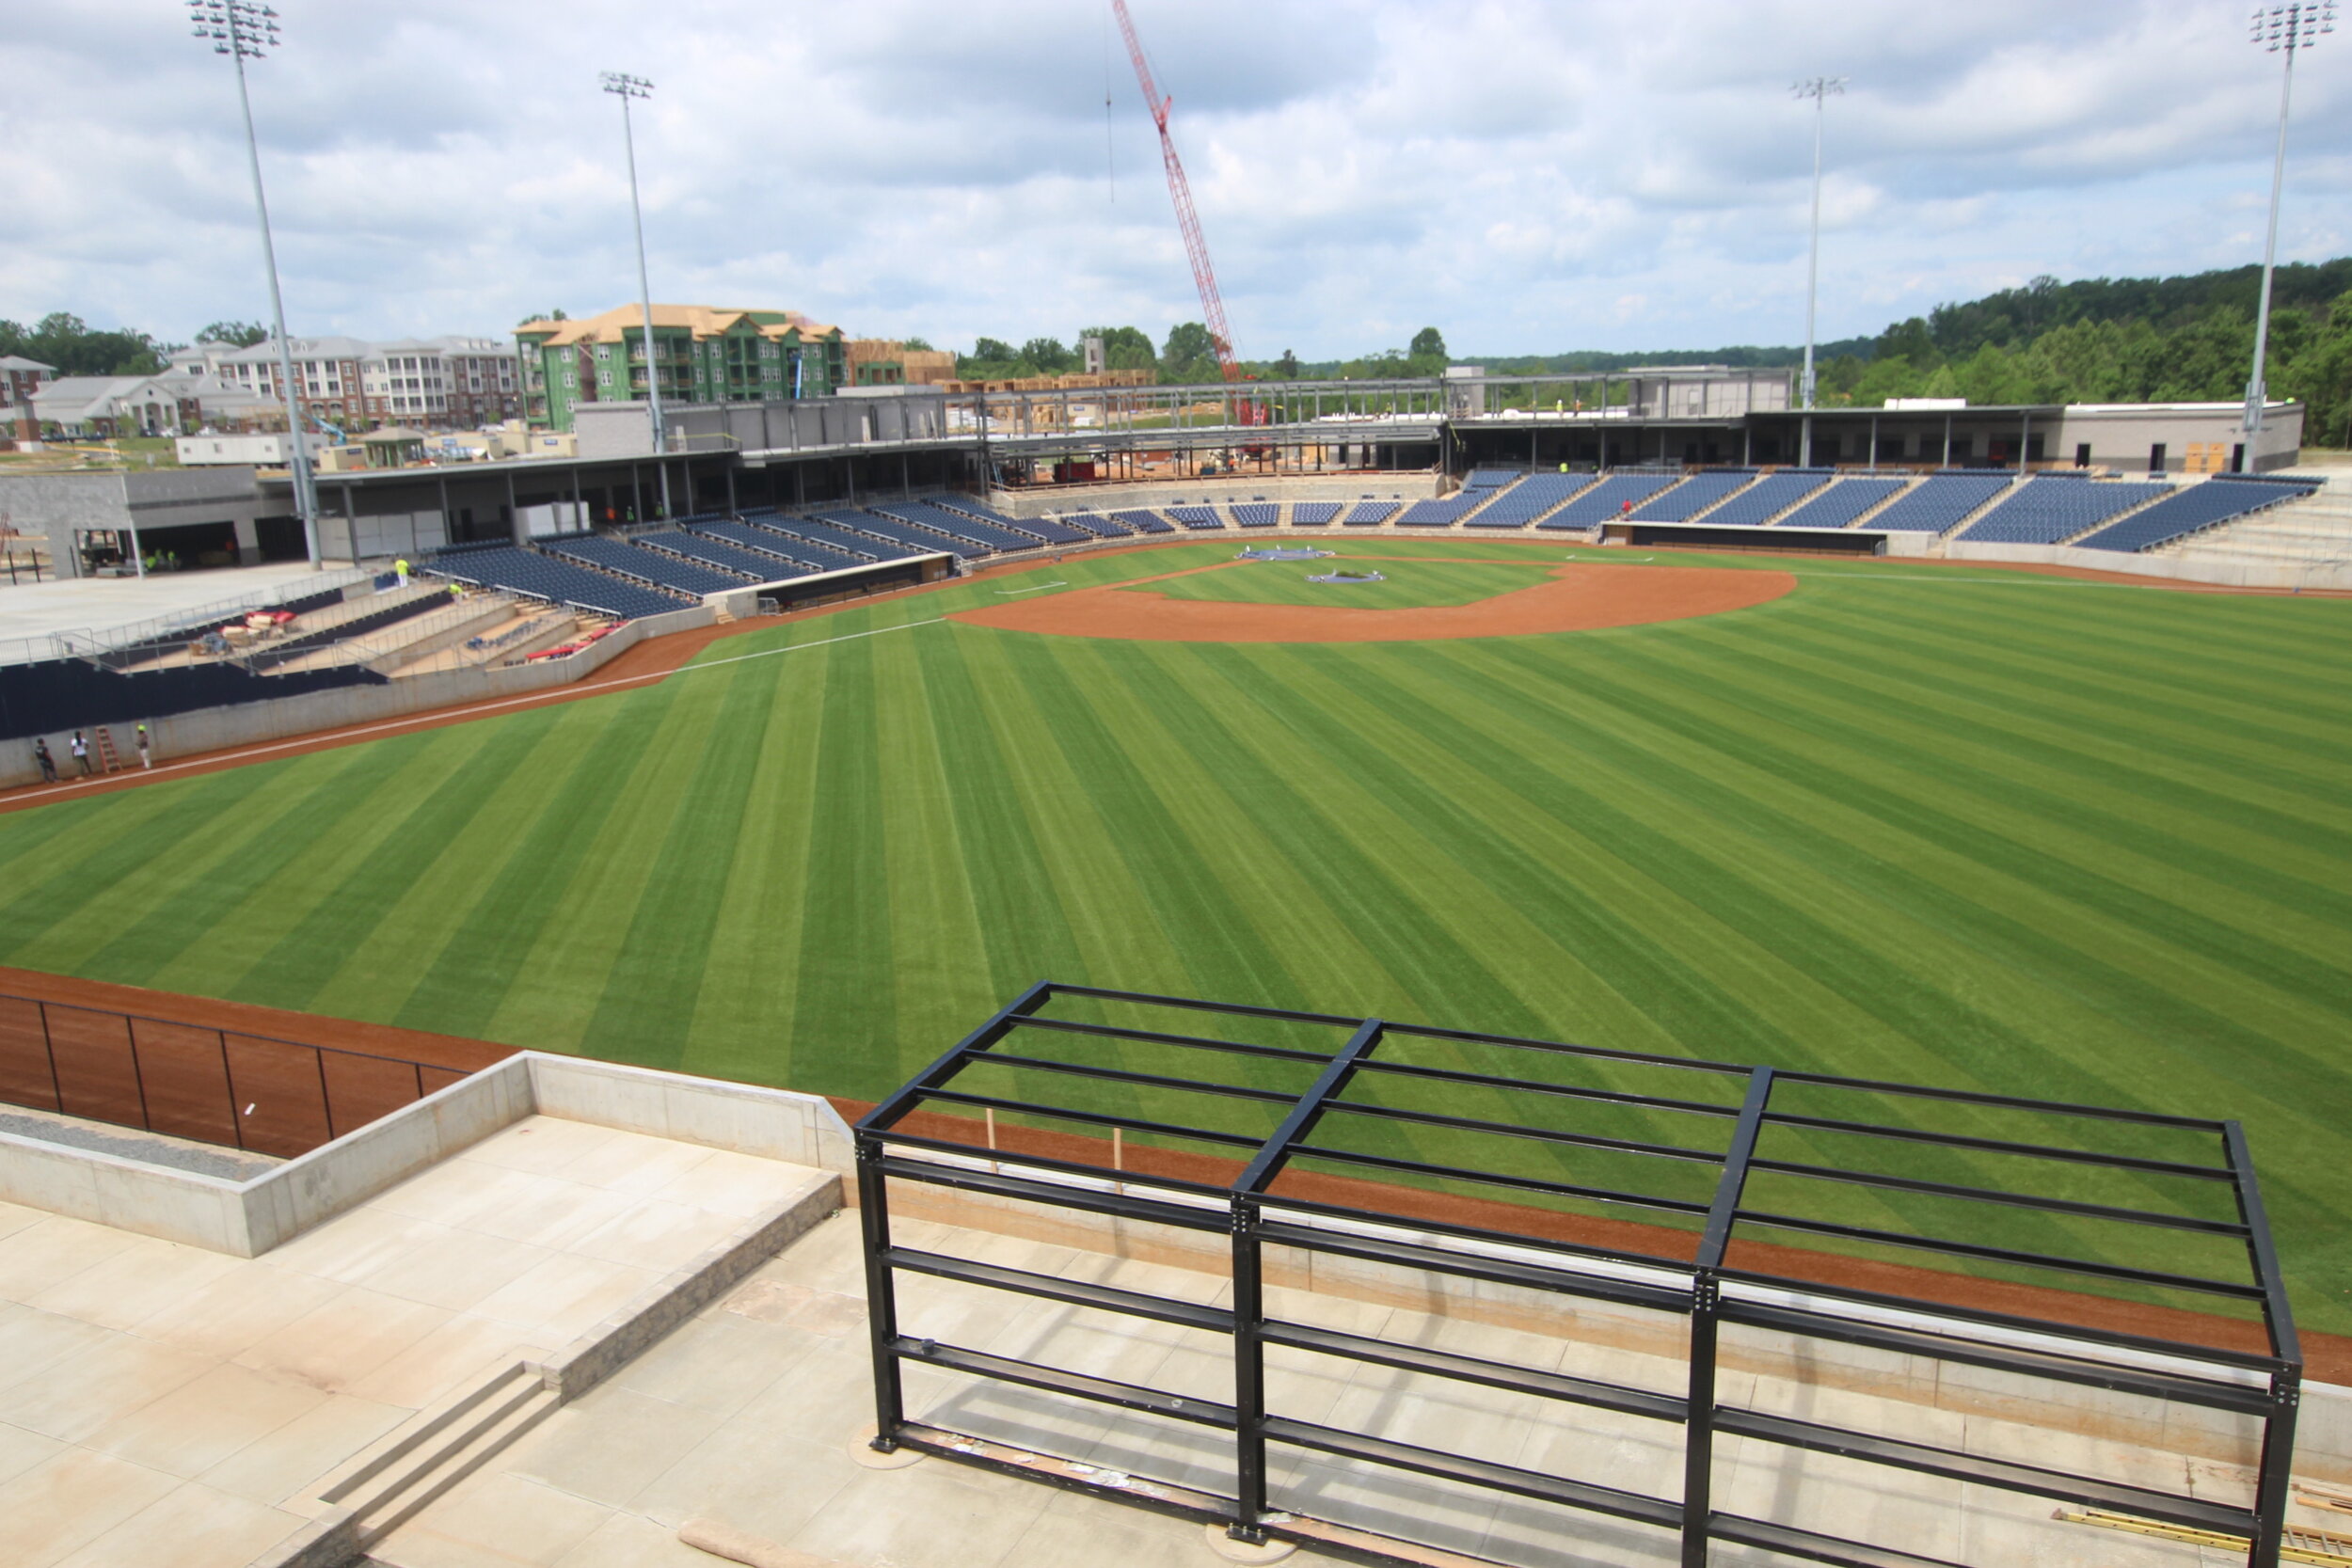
217, 729
1379, 483
2334, 575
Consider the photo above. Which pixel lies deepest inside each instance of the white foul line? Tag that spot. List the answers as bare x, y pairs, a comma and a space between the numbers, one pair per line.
443, 715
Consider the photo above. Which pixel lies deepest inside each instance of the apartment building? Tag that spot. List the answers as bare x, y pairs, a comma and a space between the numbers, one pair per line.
20, 379
701, 353
350, 383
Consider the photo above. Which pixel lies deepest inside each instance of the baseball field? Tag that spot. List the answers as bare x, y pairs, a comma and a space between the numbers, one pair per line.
1979, 827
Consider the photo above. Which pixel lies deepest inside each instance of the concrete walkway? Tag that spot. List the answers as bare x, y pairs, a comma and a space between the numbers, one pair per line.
95, 604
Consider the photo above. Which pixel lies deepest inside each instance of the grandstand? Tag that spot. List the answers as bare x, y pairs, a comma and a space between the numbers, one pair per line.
2193, 508
1260, 514
1198, 518
2051, 509
1940, 502
1603, 502
1368, 513
1491, 478
892, 530
1681, 502
1840, 505
1313, 513
1142, 521
1522, 503
651, 567
955, 525
750, 536
1769, 496
798, 543
1445, 512
535, 575
717, 552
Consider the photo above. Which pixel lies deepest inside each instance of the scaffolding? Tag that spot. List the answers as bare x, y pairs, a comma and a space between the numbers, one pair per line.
1372, 1085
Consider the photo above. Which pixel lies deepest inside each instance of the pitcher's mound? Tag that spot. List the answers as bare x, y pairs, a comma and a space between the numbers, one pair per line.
1578, 597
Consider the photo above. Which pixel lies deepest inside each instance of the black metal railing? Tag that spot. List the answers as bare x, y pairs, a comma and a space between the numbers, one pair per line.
1315, 1090
217, 1085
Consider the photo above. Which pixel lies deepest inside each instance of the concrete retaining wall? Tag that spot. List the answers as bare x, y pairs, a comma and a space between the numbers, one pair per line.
215, 729
245, 1219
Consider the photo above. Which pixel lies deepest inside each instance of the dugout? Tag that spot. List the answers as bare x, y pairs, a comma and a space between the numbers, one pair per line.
854, 582
1807, 541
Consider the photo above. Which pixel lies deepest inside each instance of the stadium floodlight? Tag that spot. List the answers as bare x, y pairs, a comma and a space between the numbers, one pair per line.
2281, 29
243, 30
624, 86
1820, 90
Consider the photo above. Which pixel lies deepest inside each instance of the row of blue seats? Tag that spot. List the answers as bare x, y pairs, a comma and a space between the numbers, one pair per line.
651, 567
2195, 507
1767, 498
1606, 501
535, 575
1842, 502
1939, 502
718, 553
1679, 504
2051, 508
1313, 513
1490, 479
1523, 502
955, 525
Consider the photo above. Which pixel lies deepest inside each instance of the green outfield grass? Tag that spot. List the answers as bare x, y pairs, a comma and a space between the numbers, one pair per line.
1964, 827
1403, 585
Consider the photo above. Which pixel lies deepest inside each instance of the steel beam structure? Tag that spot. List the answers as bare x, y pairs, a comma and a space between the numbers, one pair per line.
1239, 1155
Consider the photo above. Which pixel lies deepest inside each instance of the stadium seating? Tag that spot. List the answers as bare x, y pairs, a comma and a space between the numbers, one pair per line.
542, 577
808, 542
1606, 501
2054, 508
1368, 513
1490, 479
907, 534
1767, 498
1257, 514
1144, 522
1694, 496
2195, 507
752, 536
1527, 500
1198, 518
1940, 502
764, 568
1099, 526
955, 525
650, 566
1442, 513
1313, 513
845, 539
1046, 529
1841, 503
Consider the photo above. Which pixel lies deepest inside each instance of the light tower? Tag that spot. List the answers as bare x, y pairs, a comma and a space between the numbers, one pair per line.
246, 31
2281, 29
1819, 89
625, 87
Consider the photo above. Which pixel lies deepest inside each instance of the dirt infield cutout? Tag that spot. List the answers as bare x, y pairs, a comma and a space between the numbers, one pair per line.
1576, 597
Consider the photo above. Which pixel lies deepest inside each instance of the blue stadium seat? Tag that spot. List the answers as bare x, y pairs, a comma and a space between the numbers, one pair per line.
1144, 522
765, 568
957, 525
1768, 497
1840, 503
1313, 513
1257, 514
915, 540
648, 567
542, 577
1523, 502
2195, 507
1681, 502
1368, 513
1198, 518
2054, 508
1940, 502
1099, 526
1605, 501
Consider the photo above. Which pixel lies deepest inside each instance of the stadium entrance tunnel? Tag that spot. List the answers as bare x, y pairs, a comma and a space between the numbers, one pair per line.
853, 582
1290, 1160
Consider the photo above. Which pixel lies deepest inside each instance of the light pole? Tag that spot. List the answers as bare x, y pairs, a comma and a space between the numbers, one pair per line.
1819, 89
245, 31
626, 88
2281, 29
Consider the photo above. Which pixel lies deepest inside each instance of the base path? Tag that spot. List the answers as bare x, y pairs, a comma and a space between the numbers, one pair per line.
1578, 597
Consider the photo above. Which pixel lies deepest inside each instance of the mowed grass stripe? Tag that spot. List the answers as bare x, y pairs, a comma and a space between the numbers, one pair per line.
590, 757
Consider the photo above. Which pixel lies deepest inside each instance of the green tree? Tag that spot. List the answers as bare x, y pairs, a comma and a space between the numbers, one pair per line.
71, 344
239, 334
919, 345
1190, 355
1287, 367
994, 351
1427, 349
1124, 348
1048, 355
550, 316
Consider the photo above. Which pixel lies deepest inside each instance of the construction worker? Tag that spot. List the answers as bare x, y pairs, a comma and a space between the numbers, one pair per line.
48, 763
81, 752
145, 759
400, 570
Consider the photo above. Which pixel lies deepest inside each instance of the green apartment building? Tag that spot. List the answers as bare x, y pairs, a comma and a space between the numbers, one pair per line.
701, 354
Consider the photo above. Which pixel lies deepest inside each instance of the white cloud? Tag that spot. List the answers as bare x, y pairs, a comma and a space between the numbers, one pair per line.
1526, 175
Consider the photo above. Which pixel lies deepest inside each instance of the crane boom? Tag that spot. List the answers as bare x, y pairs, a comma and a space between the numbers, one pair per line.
1180, 192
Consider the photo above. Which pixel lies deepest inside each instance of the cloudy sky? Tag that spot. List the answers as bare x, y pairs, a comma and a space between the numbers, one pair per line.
1527, 176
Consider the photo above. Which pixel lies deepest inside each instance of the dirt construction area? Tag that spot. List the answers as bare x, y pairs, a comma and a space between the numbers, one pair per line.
1578, 597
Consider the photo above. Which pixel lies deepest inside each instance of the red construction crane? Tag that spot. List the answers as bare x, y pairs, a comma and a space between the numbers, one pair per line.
1179, 190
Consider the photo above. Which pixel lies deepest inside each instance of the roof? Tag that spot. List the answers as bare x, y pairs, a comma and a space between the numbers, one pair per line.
703, 321
18, 362
266, 351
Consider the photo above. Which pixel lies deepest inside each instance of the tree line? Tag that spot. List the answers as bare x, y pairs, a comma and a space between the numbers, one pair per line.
74, 347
